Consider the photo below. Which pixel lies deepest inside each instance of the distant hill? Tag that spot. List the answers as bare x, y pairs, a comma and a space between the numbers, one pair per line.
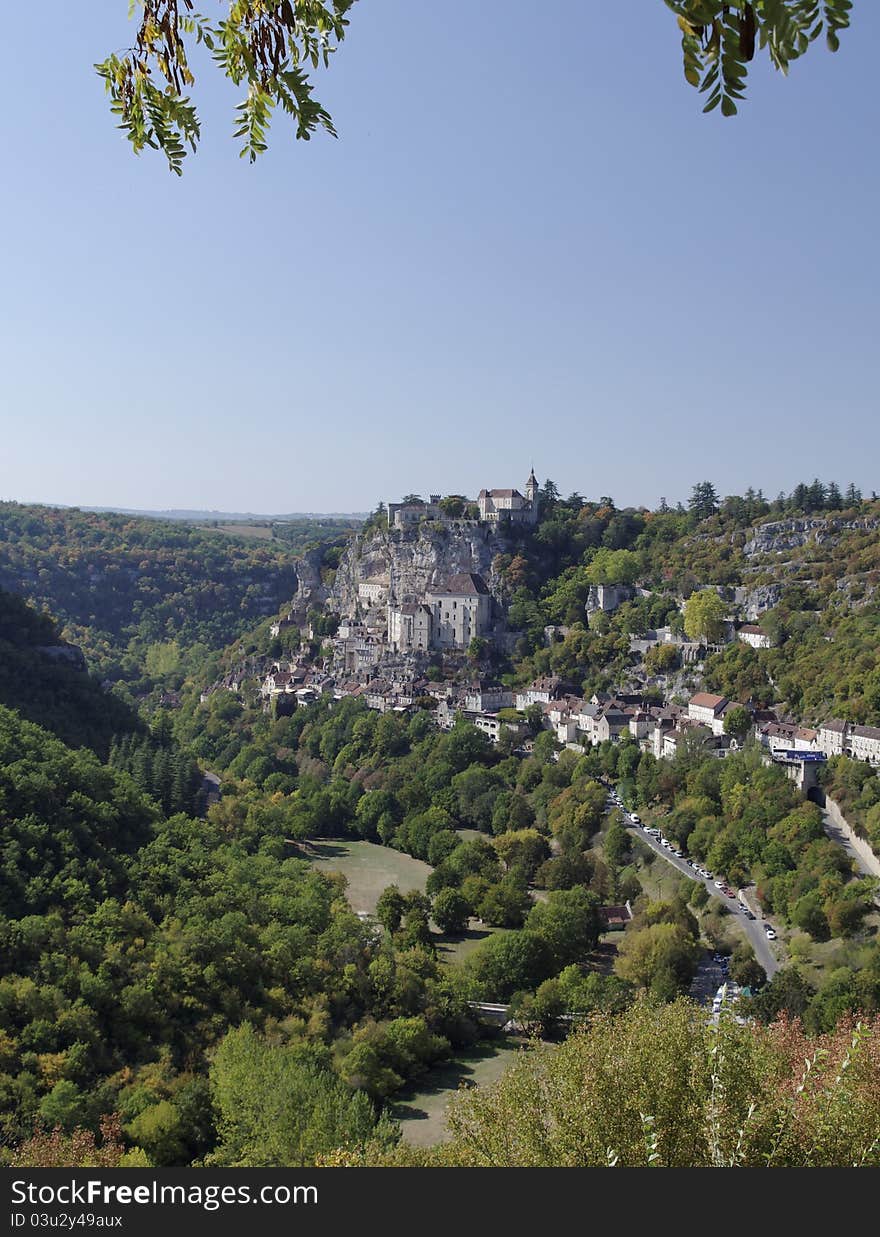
195, 516
149, 599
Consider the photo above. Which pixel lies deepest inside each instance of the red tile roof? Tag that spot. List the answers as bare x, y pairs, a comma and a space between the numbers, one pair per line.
705, 700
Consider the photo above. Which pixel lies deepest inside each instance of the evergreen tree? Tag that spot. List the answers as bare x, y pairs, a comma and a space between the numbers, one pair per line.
704, 500
800, 498
816, 495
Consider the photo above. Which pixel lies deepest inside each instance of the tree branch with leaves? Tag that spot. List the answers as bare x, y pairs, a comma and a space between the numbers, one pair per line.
269, 47
719, 39
265, 45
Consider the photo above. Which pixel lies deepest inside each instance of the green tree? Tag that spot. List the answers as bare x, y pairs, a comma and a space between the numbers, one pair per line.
703, 615
266, 48
278, 1107
660, 1086
510, 963
63, 1107
263, 48
451, 911
523, 849
652, 954
703, 501
569, 923
390, 907
738, 722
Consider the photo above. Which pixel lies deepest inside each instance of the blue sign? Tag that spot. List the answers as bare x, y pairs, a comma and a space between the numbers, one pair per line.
805, 756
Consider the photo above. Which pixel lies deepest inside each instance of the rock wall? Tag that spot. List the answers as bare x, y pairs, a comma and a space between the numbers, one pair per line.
417, 559
310, 590
780, 536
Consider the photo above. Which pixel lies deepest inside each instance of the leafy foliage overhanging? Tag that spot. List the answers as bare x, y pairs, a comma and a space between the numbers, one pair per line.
265, 45
268, 45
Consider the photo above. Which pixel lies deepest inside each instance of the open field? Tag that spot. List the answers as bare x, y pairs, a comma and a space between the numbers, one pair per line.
368, 868
421, 1110
455, 949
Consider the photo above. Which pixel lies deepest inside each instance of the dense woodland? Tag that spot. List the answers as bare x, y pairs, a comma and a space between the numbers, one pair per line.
178, 984
149, 601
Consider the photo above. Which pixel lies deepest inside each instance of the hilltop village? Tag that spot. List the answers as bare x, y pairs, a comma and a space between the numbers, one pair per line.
417, 617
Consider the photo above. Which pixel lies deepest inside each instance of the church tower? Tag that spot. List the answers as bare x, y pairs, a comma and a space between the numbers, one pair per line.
532, 497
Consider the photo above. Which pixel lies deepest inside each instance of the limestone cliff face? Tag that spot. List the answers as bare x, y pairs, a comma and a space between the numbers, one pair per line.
417, 559
755, 601
774, 549
780, 536
310, 589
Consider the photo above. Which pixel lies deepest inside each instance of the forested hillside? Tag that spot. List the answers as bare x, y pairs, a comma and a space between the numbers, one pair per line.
147, 600
808, 563
198, 983
47, 681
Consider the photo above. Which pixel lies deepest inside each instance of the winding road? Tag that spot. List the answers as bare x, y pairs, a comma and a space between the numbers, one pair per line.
753, 928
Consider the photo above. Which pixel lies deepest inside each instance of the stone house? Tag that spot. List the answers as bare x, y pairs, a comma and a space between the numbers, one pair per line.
863, 743
832, 737
407, 515
509, 506
610, 725
542, 690
488, 697
755, 636
461, 610
708, 709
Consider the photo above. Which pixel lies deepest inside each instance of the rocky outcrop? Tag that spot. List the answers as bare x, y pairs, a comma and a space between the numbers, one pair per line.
780, 536
416, 559
756, 600
607, 597
310, 589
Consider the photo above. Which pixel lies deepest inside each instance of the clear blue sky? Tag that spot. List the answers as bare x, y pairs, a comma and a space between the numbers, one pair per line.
527, 245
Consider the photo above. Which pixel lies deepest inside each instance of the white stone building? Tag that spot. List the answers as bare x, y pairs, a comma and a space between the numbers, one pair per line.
540, 691
755, 636
449, 616
708, 710
488, 697
406, 515
409, 627
461, 609
373, 592
509, 506
832, 737
863, 743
